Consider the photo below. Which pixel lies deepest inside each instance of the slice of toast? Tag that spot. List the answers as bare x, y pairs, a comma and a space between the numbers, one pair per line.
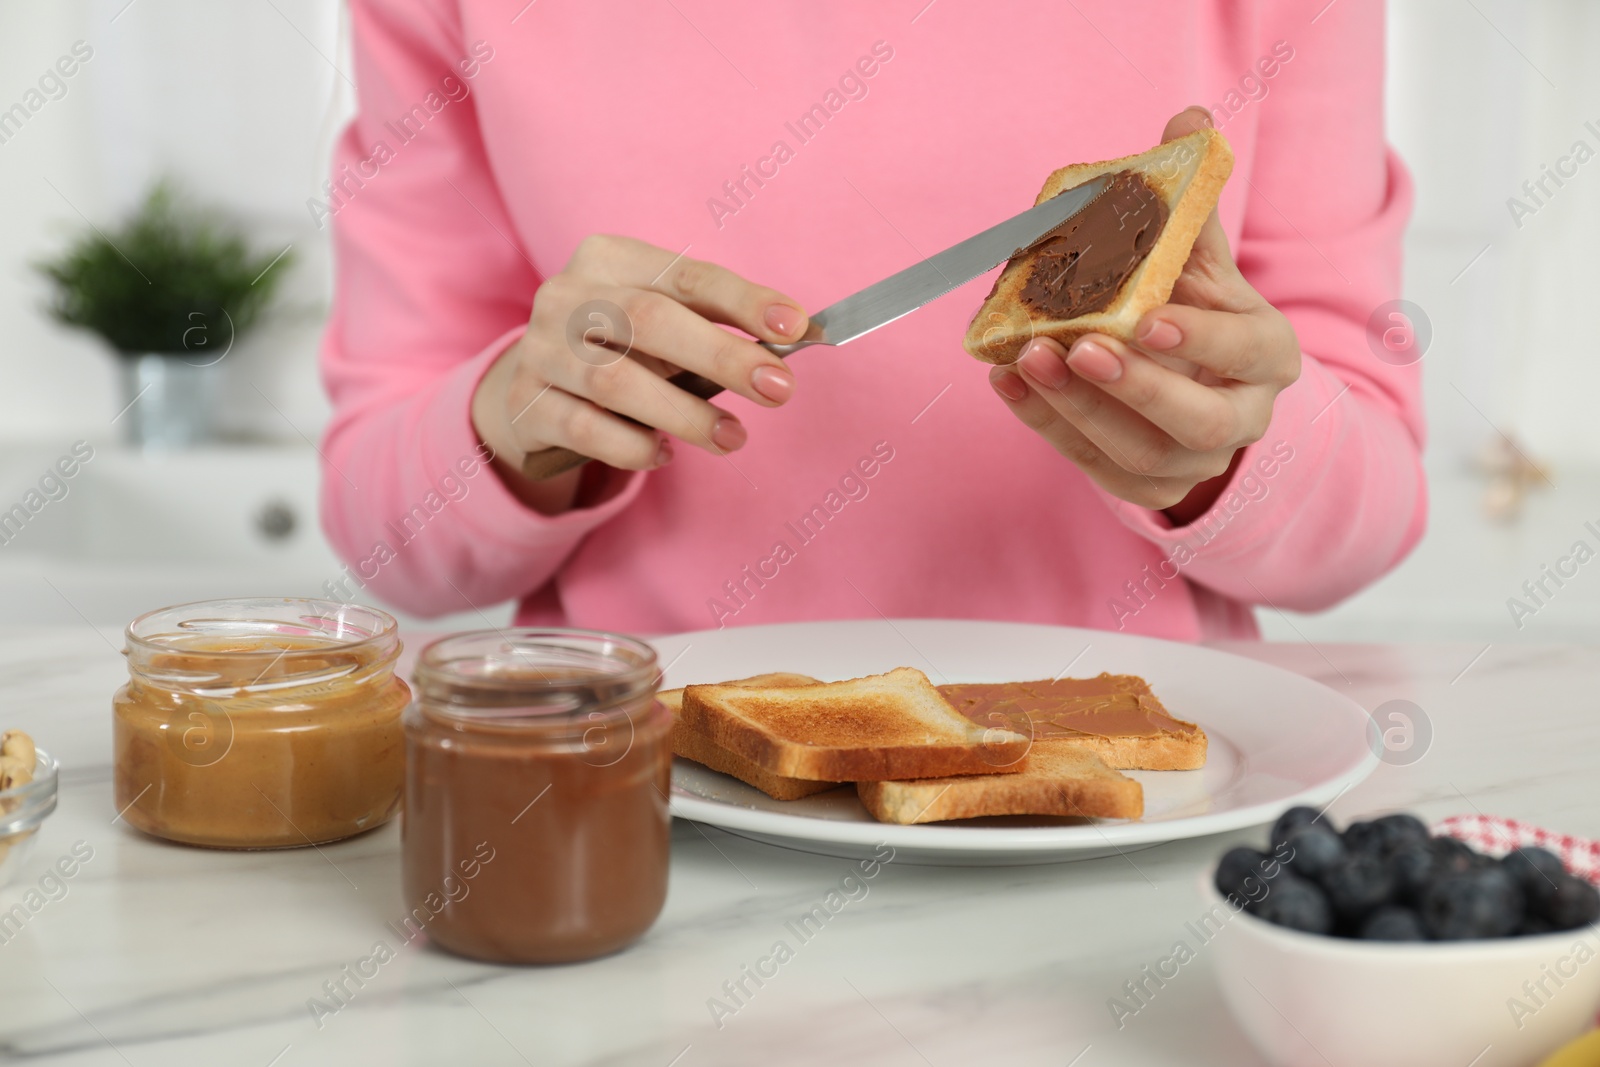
1115, 716
1186, 174
1057, 781
883, 726
693, 745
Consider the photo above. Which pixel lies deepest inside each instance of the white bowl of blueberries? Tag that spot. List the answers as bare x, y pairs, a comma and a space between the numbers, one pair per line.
1385, 945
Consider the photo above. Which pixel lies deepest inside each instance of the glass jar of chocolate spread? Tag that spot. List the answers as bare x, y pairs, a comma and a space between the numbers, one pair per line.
536, 827
260, 723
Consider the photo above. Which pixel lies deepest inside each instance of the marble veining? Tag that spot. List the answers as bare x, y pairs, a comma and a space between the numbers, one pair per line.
161, 955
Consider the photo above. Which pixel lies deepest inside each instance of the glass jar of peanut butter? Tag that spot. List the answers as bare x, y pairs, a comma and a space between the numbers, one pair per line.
536, 827
260, 723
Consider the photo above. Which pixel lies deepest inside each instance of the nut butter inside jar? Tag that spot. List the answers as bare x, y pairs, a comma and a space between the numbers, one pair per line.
260, 723
537, 767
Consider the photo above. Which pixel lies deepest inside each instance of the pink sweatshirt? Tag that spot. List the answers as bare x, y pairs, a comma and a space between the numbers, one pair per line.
818, 148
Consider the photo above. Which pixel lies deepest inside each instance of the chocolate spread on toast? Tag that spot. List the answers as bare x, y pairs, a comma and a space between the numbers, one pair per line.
1082, 266
1109, 705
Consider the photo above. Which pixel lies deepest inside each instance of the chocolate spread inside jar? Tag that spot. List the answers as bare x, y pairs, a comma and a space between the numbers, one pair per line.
547, 751
1081, 267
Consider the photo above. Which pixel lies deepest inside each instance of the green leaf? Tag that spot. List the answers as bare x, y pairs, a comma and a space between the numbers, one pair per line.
176, 278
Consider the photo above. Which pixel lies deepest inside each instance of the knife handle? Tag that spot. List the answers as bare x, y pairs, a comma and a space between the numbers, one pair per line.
537, 466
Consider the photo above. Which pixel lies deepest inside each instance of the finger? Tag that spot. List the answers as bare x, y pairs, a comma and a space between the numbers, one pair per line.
669, 330
1200, 417
652, 324
723, 296
1114, 429
1030, 406
1028, 403
1210, 276
710, 290
627, 387
1130, 439
1192, 118
568, 421
1259, 348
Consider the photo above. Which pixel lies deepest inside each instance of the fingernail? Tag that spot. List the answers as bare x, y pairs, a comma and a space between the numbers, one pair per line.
773, 383
1040, 361
783, 319
728, 434
1159, 334
1008, 385
1094, 362
664, 452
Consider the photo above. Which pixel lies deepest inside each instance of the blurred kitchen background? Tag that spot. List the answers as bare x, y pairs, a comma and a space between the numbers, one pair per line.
241, 103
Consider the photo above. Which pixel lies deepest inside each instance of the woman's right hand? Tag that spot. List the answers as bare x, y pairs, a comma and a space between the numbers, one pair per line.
605, 333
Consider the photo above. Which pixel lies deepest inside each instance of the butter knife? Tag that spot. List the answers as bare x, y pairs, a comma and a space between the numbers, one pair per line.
883, 302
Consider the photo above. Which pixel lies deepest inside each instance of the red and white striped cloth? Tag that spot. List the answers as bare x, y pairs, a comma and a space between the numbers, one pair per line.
1496, 836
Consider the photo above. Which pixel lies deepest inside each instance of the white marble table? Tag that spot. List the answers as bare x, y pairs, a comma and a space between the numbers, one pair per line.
162, 955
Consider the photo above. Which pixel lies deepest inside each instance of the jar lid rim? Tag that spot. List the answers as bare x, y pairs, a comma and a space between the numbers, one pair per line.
433, 663
387, 628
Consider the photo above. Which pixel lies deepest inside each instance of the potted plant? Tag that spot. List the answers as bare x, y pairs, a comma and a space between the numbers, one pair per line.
171, 291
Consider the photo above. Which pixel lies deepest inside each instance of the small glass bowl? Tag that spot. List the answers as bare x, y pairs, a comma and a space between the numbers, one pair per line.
22, 810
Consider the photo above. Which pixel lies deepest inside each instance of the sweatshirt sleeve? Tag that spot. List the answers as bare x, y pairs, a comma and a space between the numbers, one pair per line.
431, 285
1333, 496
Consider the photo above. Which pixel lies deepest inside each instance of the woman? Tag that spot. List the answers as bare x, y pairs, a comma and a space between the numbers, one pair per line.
520, 175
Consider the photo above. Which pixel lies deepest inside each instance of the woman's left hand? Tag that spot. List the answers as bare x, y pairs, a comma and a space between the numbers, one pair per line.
1159, 422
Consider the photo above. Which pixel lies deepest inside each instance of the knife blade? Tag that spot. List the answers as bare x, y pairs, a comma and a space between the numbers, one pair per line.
892, 298
900, 294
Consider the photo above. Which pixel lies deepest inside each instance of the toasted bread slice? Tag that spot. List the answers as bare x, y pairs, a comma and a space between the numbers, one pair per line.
693, 745
1168, 752
1057, 781
883, 726
1187, 174
1115, 716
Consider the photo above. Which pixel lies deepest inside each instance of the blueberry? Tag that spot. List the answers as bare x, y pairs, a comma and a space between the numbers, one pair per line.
1535, 869
1455, 857
1393, 923
1397, 831
1364, 837
1384, 835
1534, 925
1312, 850
1357, 885
1236, 865
1290, 821
1484, 902
1296, 903
1412, 867
1571, 903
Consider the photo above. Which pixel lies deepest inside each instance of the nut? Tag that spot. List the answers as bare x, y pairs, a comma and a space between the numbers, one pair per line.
17, 759
18, 745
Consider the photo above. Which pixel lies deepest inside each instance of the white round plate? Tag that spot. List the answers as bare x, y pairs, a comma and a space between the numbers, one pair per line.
1276, 738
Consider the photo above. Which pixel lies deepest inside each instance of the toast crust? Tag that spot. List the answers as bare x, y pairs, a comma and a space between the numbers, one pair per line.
693, 745
1188, 173
1168, 752
880, 727
1058, 781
